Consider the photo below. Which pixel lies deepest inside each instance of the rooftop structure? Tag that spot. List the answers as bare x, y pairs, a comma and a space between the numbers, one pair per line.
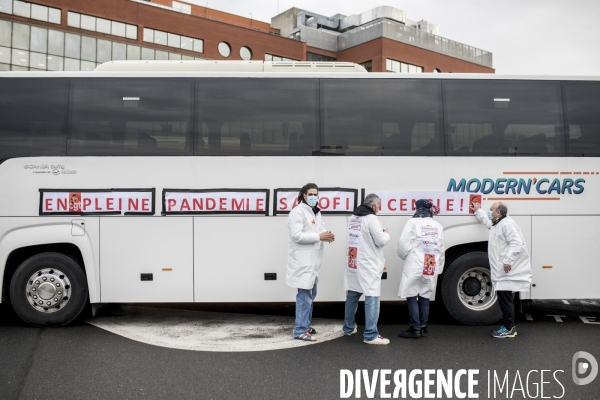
57, 35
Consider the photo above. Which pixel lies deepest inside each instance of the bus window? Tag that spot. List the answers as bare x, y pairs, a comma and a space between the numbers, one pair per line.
503, 118
582, 105
33, 116
256, 116
381, 117
130, 116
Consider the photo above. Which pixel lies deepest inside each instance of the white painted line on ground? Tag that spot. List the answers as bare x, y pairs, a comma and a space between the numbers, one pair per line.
529, 317
566, 302
210, 331
557, 318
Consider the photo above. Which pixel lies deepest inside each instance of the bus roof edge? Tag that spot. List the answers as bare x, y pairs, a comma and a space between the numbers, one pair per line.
229, 66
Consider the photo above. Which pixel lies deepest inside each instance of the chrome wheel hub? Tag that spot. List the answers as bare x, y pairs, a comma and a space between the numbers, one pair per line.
48, 290
475, 289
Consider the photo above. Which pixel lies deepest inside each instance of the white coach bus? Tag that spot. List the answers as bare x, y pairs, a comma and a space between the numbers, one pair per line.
167, 181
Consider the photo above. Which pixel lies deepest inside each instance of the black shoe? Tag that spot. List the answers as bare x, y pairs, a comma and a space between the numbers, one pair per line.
424, 332
410, 333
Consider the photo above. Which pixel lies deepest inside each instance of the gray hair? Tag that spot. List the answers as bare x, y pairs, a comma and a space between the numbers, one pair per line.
502, 209
371, 199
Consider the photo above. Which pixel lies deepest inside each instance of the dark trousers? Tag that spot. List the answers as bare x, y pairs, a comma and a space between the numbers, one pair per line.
418, 310
505, 299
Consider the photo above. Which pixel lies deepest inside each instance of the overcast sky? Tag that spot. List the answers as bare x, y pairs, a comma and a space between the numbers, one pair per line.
545, 37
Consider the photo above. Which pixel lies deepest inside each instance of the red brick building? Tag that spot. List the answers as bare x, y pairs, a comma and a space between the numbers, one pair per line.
79, 35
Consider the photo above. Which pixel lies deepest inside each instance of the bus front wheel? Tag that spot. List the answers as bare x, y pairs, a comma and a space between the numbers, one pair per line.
48, 289
467, 290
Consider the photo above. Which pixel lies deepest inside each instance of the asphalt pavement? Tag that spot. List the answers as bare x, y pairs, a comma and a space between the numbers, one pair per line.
83, 361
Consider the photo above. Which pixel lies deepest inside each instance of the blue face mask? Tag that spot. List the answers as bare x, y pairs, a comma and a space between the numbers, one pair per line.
312, 200
490, 215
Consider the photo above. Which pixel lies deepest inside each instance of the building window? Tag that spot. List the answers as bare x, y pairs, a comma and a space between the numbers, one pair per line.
101, 25
399, 66
318, 57
246, 53
224, 49
26, 47
173, 40
272, 57
368, 65
30, 10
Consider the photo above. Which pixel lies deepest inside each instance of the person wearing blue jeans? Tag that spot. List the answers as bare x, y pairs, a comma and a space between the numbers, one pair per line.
371, 315
364, 267
304, 307
306, 236
421, 246
418, 309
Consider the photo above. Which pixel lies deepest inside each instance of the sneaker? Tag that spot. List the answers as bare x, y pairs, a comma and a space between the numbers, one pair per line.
378, 340
411, 333
307, 337
351, 333
503, 333
312, 331
424, 332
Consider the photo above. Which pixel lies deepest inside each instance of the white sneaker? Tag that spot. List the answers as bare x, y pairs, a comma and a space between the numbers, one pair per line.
353, 332
378, 340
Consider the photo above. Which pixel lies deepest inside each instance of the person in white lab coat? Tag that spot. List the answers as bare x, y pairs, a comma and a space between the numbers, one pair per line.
421, 246
305, 252
364, 268
510, 266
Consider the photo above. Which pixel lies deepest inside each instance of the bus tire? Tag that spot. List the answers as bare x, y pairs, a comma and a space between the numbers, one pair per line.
48, 289
467, 290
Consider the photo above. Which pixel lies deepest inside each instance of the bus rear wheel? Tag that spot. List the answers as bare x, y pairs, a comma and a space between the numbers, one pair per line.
48, 289
467, 290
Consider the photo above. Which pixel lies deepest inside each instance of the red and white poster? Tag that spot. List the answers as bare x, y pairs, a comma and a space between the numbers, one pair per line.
331, 200
111, 201
352, 257
395, 202
429, 264
216, 201
473, 199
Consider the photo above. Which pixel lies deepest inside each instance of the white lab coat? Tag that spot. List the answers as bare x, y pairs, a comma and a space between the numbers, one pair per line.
506, 245
364, 254
421, 246
305, 249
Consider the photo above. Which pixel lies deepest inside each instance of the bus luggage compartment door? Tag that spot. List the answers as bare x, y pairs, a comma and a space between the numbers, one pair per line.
564, 260
132, 248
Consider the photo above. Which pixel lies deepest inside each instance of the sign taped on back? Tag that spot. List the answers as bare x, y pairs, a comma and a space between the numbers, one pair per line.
428, 230
429, 264
352, 257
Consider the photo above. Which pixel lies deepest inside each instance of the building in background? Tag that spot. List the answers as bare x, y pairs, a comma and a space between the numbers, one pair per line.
73, 35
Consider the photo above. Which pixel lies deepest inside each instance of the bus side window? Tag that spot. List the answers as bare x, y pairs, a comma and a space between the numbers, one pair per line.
136, 116
381, 117
582, 105
503, 118
33, 117
256, 116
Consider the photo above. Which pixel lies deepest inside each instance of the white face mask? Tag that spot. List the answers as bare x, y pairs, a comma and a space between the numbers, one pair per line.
490, 215
312, 200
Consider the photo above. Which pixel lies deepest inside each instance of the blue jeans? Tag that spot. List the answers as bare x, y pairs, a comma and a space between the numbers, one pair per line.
418, 309
304, 308
371, 314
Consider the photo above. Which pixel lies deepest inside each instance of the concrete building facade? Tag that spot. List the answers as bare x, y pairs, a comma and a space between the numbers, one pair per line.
58, 35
